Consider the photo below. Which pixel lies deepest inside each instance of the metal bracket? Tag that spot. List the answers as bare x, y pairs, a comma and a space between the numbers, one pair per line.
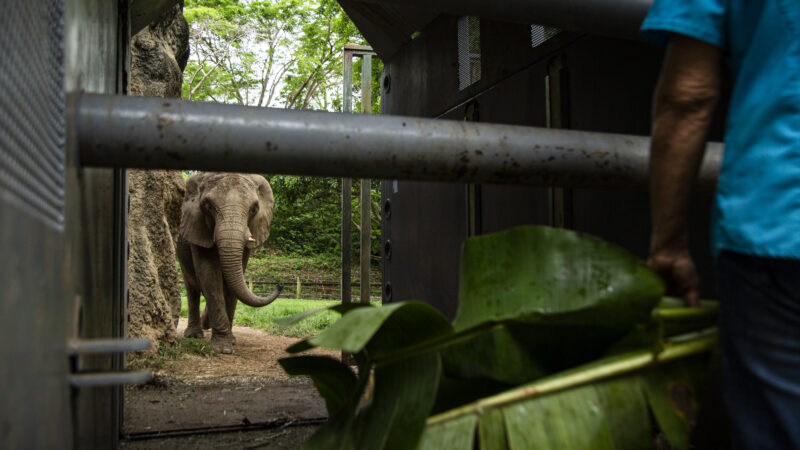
82, 347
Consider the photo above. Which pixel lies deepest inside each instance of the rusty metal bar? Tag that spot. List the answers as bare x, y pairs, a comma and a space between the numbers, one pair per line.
157, 133
614, 18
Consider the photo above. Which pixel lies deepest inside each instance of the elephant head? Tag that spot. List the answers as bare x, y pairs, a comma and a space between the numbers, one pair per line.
232, 212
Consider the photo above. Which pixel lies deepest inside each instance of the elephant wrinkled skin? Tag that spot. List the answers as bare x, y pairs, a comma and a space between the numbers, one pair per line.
223, 216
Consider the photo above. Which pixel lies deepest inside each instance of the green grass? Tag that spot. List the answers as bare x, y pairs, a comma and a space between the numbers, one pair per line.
264, 318
169, 353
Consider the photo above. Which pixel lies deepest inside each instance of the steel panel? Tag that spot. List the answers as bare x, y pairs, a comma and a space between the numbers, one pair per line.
96, 58
32, 126
35, 305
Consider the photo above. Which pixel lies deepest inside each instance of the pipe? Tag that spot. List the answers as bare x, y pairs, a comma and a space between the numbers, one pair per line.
77, 347
613, 18
157, 133
86, 380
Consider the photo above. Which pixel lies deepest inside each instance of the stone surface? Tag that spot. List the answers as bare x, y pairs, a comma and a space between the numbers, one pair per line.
158, 56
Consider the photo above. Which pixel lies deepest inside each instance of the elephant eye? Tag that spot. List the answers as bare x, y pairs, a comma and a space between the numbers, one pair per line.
254, 209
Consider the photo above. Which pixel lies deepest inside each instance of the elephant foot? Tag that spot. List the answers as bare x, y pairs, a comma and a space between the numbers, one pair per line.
222, 344
193, 332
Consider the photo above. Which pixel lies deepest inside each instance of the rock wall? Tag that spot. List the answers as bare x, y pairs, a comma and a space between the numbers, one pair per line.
158, 56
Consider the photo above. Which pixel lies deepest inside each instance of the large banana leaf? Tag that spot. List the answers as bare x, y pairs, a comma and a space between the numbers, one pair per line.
551, 275
533, 301
606, 404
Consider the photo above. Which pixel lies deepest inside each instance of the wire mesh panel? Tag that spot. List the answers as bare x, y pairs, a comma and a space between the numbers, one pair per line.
32, 124
469, 51
540, 34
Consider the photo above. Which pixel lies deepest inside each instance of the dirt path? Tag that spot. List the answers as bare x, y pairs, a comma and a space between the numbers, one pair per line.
256, 356
248, 387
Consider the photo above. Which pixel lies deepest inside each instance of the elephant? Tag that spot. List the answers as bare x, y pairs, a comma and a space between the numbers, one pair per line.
223, 216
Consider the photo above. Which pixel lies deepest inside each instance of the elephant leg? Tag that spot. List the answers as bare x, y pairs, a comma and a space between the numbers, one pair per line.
204, 319
193, 329
209, 275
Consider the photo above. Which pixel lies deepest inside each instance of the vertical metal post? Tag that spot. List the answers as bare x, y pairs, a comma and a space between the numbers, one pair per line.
347, 107
474, 218
555, 104
366, 228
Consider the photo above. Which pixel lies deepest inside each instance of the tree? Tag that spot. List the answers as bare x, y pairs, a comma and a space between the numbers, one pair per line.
315, 80
283, 53
240, 50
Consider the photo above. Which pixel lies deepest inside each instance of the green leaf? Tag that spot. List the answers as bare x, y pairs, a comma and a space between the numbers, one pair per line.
672, 392
598, 405
335, 381
411, 322
454, 435
611, 415
394, 418
495, 355
543, 274
492, 431
404, 396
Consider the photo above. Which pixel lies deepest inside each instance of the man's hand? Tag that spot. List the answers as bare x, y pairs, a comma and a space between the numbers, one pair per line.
683, 106
678, 271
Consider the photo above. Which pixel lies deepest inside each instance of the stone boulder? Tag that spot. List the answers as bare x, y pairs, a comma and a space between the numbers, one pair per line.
158, 56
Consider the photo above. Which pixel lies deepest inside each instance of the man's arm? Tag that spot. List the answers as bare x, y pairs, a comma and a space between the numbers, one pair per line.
683, 106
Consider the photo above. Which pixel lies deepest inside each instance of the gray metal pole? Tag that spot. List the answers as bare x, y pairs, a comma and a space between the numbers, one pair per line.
158, 133
366, 229
347, 214
615, 18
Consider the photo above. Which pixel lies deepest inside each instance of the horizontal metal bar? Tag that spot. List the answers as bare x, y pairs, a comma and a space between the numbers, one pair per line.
156, 133
614, 18
84, 380
216, 429
100, 346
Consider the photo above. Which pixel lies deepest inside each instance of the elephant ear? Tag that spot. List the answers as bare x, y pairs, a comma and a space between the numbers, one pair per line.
259, 224
194, 228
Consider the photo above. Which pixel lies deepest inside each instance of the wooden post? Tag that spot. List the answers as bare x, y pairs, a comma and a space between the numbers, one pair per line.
366, 228
298, 288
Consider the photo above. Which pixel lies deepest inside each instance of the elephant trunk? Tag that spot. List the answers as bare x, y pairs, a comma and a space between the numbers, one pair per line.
230, 244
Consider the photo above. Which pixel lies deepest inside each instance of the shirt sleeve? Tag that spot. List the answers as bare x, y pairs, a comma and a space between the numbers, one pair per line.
704, 20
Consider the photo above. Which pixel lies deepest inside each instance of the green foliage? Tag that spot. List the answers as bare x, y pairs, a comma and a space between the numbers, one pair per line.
573, 283
269, 53
167, 353
307, 217
269, 318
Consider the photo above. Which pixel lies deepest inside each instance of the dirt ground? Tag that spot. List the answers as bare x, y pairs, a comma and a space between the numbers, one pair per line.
244, 400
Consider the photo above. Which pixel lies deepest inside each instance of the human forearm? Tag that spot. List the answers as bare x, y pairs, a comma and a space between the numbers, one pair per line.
684, 104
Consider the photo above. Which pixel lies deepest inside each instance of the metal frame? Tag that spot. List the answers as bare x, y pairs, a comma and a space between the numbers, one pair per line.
615, 18
154, 133
365, 53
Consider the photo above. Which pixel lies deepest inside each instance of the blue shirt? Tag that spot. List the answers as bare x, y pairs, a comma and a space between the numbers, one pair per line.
757, 205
